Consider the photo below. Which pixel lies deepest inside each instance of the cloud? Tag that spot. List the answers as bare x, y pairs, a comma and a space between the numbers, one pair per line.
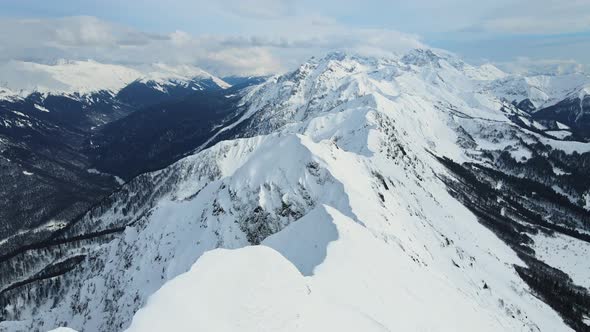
535, 17
292, 41
82, 31
528, 66
251, 61
278, 34
260, 9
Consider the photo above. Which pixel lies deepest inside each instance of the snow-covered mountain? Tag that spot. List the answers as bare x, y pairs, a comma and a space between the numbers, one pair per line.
542, 90
556, 101
351, 194
82, 78
163, 83
163, 74
571, 114
64, 128
65, 77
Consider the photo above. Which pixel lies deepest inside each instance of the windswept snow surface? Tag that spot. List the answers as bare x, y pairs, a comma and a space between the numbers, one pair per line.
334, 181
251, 289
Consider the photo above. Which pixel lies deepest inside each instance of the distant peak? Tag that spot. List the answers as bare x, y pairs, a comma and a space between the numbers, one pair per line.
335, 55
421, 57
581, 92
165, 73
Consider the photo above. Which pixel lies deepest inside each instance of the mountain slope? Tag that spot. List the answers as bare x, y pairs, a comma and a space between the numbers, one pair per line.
163, 83
541, 90
572, 113
50, 157
45, 173
156, 136
393, 189
558, 102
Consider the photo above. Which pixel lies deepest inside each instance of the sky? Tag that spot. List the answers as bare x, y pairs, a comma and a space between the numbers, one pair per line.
269, 36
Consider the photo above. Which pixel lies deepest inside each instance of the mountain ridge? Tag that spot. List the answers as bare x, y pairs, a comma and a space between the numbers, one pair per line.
81, 78
466, 225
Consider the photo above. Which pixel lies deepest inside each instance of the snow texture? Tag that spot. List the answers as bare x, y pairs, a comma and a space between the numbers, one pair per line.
567, 254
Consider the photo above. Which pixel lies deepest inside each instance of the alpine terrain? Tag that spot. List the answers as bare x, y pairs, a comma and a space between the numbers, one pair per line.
404, 193
71, 132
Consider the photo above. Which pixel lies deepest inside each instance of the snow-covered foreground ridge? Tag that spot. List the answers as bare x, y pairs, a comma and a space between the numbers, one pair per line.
332, 174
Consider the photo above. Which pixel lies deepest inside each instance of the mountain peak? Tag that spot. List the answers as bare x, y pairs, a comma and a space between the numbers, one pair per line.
162, 73
421, 57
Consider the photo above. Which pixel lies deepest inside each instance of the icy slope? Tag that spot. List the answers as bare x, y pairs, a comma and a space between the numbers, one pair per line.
333, 166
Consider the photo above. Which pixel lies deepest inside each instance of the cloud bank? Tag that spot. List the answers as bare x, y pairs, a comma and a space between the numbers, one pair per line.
269, 36
86, 37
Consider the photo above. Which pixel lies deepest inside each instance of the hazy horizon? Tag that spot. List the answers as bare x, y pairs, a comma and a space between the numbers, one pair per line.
264, 36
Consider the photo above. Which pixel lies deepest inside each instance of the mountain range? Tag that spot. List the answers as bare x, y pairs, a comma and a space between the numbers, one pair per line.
414, 192
67, 143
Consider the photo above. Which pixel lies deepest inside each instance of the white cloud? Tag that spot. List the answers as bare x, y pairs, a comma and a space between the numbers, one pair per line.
536, 17
89, 32
292, 41
527, 66
260, 9
180, 38
265, 36
252, 61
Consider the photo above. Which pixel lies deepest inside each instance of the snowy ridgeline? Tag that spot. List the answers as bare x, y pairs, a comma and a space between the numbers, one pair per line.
323, 209
19, 78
